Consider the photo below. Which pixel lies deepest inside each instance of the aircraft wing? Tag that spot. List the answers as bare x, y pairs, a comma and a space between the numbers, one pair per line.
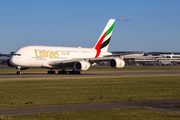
101, 59
70, 63
143, 57
133, 57
64, 63
115, 55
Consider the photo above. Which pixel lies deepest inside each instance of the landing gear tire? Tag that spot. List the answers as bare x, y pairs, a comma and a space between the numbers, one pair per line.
18, 72
63, 72
74, 72
78, 72
69, 72
51, 72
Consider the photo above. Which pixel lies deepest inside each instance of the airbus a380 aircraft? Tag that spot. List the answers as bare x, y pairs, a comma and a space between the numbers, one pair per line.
77, 59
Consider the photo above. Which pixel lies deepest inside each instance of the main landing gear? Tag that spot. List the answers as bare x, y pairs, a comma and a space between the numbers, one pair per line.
51, 72
63, 71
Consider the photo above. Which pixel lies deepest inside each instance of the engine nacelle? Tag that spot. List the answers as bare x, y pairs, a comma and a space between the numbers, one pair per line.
117, 63
9, 63
82, 65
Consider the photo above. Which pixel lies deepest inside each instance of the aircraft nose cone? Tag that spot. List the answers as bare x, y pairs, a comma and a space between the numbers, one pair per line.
14, 61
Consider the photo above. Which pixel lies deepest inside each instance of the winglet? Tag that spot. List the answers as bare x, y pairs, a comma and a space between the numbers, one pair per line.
103, 41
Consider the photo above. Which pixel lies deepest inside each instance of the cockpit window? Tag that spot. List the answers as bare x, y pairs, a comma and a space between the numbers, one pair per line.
17, 54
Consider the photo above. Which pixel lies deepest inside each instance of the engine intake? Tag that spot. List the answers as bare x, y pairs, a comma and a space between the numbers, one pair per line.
117, 63
82, 65
9, 63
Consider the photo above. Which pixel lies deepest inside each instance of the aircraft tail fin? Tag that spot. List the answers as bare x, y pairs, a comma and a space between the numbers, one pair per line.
103, 41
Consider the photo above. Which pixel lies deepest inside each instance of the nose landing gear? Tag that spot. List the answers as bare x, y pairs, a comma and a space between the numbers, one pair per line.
19, 70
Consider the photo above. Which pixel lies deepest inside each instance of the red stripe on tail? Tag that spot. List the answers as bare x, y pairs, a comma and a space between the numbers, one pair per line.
99, 45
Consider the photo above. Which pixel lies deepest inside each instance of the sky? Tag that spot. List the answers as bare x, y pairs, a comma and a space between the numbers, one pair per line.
142, 25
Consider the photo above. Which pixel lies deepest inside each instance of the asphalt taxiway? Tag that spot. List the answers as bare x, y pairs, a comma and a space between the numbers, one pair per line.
158, 105
91, 74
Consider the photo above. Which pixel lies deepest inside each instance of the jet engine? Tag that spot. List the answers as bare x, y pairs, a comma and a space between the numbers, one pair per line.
9, 63
82, 65
117, 63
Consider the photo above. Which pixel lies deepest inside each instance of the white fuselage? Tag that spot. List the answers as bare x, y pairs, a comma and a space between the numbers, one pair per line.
40, 56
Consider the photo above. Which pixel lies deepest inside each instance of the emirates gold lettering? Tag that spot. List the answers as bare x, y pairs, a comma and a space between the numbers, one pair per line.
55, 54
51, 54
67, 53
36, 52
41, 53
64, 53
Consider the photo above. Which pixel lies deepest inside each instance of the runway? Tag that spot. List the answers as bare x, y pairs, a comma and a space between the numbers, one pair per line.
91, 74
158, 105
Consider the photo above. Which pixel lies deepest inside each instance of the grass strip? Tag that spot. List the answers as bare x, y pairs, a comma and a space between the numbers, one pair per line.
61, 91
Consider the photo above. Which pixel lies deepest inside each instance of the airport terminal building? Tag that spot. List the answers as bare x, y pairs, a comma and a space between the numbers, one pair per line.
154, 58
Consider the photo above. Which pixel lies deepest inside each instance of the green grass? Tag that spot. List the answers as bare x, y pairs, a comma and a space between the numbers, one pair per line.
59, 91
100, 115
47, 92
